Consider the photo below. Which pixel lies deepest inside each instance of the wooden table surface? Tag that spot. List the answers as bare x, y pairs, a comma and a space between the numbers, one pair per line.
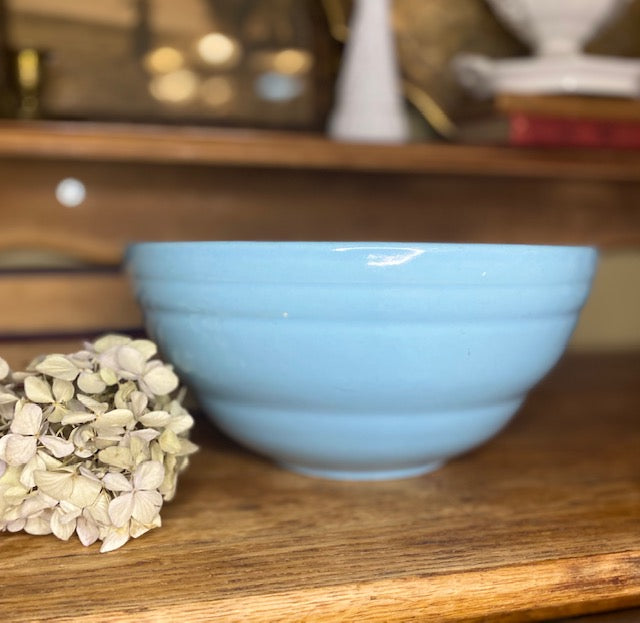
542, 522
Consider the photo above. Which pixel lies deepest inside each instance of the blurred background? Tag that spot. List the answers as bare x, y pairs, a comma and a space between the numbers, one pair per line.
156, 119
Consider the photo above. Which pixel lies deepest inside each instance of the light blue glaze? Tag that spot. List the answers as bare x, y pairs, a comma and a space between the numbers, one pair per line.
361, 360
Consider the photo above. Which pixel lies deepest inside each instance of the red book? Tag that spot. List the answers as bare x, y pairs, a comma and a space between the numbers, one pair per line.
542, 131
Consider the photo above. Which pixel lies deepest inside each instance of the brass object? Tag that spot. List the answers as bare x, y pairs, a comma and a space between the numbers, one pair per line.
28, 81
431, 112
338, 17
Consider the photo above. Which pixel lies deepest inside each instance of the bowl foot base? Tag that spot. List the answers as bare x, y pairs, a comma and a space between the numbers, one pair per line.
383, 474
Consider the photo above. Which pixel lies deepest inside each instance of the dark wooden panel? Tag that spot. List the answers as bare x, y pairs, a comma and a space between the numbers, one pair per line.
134, 201
55, 303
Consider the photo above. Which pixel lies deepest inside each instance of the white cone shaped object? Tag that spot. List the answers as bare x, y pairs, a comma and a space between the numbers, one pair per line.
369, 102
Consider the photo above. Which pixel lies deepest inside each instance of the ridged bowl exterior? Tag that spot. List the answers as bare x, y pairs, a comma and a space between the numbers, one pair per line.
361, 360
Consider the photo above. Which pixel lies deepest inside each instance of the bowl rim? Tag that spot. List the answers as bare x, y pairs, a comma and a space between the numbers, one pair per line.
361, 262
358, 243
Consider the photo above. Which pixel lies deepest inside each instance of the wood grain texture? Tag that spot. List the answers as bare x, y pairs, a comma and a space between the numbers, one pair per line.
129, 201
631, 615
542, 522
19, 352
66, 302
251, 148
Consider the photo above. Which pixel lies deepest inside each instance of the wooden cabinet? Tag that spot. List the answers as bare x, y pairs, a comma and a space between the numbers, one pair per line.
542, 522
187, 183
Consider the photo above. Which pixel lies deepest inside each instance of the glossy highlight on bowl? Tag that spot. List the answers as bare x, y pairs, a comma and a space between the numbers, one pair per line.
361, 360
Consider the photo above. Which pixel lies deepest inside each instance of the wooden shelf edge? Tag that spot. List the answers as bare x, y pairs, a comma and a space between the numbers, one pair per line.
489, 594
493, 594
252, 148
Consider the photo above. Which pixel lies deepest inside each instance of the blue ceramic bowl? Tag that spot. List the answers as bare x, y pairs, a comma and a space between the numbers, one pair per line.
361, 360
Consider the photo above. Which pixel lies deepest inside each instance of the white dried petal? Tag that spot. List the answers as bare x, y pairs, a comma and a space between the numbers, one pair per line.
160, 380
139, 449
58, 485
77, 418
187, 447
170, 462
109, 341
121, 509
54, 413
57, 446
146, 506
39, 525
84, 453
83, 436
146, 434
63, 391
69, 511
115, 417
34, 463
3, 469
180, 423
146, 347
130, 360
168, 487
117, 456
102, 442
4, 369
83, 359
156, 452
139, 402
175, 406
87, 530
91, 383
85, 491
87, 473
59, 367
49, 462
155, 419
120, 397
17, 450
7, 397
16, 525
36, 503
109, 376
99, 510
92, 404
137, 529
148, 475
169, 442
27, 419
38, 390
20, 375
60, 528
114, 538
115, 481
11, 477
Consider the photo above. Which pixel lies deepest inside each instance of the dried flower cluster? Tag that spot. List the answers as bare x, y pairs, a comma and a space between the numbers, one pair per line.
91, 442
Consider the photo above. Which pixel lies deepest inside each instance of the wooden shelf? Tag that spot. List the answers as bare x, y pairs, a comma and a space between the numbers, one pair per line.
541, 522
249, 148
187, 183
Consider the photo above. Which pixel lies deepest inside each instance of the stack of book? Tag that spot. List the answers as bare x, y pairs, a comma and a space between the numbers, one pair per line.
559, 121
573, 121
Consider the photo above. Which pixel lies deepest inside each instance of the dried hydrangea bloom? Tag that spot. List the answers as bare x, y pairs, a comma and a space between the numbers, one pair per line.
92, 442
